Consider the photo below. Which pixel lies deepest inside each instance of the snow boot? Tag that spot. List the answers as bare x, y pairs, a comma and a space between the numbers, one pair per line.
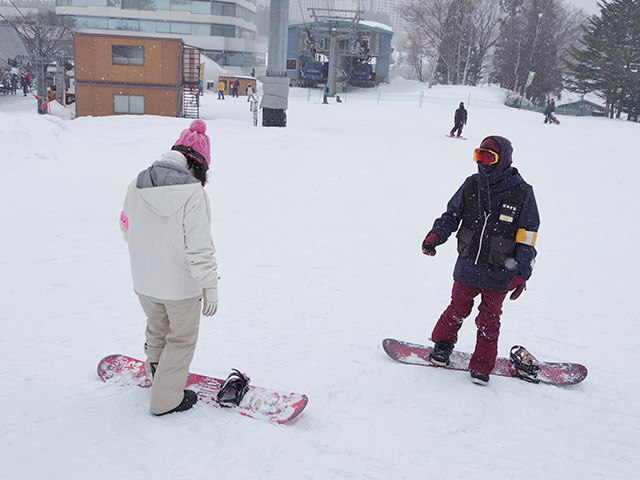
234, 388
189, 400
525, 364
480, 378
441, 352
451, 134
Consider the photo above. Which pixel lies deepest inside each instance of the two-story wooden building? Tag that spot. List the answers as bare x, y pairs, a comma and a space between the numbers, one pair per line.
131, 74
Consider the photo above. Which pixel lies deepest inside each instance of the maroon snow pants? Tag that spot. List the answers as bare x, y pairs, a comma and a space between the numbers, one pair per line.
487, 322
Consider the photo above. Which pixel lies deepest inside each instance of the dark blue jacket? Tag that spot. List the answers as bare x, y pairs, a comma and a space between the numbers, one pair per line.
494, 182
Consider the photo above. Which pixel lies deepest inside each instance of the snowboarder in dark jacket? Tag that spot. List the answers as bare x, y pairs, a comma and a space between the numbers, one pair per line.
549, 116
496, 216
459, 120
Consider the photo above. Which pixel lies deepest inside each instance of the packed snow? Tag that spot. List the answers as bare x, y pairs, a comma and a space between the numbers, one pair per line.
318, 228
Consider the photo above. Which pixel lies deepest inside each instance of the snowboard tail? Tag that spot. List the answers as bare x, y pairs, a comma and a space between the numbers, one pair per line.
551, 373
258, 402
455, 136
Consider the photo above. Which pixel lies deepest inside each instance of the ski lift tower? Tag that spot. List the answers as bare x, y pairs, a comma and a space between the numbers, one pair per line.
334, 25
275, 98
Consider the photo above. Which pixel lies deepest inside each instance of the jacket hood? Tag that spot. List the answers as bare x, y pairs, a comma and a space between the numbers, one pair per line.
498, 178
504, 158
166, 185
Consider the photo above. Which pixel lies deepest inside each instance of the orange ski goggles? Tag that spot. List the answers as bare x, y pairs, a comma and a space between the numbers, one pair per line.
484, 156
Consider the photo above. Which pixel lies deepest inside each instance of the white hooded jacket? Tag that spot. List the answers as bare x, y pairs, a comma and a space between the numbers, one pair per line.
166, 221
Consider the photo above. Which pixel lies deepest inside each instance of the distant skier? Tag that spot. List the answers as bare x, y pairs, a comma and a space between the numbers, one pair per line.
325, 94
166, 221
459, 120
496, 247
549, 112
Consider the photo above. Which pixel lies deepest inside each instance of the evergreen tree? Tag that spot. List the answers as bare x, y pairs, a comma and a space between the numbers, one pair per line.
607, 61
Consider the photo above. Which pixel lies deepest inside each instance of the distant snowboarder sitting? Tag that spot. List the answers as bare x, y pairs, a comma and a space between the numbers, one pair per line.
459, 119
498, 219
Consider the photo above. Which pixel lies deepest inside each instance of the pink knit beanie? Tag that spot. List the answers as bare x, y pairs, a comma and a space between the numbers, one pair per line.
194, 143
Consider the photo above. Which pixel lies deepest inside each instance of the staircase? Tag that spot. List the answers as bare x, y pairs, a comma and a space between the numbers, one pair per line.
191, 82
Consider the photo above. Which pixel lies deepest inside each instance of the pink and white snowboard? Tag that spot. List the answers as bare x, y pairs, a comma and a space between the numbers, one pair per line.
260, 403
551, 373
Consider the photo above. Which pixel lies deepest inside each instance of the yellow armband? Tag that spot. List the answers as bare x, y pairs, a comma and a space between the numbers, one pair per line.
526, 237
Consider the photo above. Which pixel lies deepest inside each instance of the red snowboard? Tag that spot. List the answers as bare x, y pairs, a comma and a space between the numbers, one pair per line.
551, 373
261, 403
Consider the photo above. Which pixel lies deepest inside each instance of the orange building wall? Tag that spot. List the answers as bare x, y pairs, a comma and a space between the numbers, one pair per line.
97, 79
98, 100
161, 56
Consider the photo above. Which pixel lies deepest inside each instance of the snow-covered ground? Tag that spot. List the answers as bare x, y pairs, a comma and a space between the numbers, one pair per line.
318, 229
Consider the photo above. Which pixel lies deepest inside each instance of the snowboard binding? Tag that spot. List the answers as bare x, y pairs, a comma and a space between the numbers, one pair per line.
234, 389
525, 364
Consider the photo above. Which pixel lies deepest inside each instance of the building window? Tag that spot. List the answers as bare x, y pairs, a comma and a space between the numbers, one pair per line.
127, 55
136, 4
223, 9
128, 104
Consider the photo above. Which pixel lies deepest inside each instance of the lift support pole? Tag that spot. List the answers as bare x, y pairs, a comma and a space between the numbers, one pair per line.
275, 98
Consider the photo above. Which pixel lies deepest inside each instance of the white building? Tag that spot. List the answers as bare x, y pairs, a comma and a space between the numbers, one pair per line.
391, 8
225, 31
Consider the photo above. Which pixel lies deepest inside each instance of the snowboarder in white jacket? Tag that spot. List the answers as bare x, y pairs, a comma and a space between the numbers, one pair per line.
166, 221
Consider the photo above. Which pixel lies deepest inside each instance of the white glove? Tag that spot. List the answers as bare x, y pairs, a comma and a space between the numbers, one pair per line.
209, 301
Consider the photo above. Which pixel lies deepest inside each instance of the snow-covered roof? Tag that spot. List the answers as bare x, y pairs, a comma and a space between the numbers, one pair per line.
368, 24
376, 25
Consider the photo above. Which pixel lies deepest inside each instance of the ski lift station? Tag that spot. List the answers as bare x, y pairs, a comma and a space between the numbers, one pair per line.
338, 49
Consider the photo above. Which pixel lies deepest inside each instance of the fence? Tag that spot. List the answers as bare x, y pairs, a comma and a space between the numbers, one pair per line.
576, 110
379, 95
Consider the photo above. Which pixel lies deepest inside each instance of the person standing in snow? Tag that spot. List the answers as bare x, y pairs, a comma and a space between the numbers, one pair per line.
459, 120
166, 221
497, 216
221, 86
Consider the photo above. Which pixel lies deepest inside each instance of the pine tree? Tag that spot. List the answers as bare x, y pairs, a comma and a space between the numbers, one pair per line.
607, 61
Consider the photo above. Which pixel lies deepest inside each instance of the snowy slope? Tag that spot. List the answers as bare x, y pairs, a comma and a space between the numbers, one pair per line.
318, 229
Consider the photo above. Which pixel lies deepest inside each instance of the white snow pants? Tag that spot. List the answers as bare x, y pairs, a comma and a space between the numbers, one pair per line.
171, 336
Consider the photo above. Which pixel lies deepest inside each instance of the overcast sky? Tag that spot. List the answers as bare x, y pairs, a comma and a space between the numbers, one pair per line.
589, 6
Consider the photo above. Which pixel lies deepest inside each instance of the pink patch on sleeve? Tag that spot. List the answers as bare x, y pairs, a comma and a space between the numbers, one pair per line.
124, 220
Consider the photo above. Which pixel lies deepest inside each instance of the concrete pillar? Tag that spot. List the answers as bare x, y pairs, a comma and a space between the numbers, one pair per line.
275, 96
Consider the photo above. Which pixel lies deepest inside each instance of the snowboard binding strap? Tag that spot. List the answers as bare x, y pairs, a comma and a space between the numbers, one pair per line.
525, 364
234, 389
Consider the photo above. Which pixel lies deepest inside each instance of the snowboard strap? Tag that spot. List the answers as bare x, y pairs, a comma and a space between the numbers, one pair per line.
233, 389
525, 364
